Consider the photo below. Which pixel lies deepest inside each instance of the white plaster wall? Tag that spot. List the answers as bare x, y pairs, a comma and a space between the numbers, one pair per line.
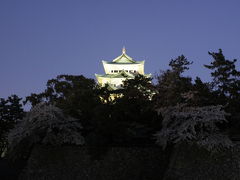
117, 82
134, 67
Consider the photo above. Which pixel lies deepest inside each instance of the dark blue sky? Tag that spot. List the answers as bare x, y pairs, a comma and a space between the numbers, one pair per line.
42, 39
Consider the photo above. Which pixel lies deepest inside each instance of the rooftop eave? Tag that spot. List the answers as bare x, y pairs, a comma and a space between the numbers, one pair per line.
125, 56
99, 75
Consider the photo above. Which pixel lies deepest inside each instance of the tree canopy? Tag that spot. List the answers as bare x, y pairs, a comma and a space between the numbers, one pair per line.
11, 112
129, 116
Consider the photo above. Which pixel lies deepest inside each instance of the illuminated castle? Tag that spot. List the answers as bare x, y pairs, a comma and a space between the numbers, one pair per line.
121, 68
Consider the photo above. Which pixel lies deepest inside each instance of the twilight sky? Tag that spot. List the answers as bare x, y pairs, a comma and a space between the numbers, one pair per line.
42, 39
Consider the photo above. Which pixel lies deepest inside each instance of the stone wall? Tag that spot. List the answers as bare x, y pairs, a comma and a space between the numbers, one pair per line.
117, 163
122, 163
192, 162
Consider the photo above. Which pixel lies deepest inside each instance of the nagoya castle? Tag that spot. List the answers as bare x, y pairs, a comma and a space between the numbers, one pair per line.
119, 69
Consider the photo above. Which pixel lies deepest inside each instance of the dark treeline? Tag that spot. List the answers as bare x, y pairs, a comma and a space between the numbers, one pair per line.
142, 110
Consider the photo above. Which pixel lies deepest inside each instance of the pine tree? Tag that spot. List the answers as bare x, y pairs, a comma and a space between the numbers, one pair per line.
180, 64
226, 78
226, 85
172, 84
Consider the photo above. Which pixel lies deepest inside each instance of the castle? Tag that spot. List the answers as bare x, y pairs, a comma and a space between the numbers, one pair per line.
119, 69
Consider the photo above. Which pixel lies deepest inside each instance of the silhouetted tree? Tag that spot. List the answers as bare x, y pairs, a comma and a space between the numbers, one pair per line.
180, 64
11, 112
44, 124
75, 95
129, 119
226, 79
171, 84
201, 94
137, 109
226, 83
193, 125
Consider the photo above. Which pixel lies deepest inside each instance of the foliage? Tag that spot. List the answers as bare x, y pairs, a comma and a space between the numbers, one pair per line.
199, 95
171, 84
75, 95
226, 86
180, 64
11, 112
226, 78
106, 94
47, 125
193, 125
140, 87
130, 119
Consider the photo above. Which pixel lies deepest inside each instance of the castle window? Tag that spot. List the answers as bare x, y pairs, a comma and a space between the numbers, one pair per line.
126, 70
115, 71
112, 71
135, 71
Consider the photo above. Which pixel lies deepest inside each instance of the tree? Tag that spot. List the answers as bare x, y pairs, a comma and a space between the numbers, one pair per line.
193, 125
226, 79
75, 95
129, 119
11, 112
226, 83
201, 94
140, 88
180, 64
44, 124
171, 84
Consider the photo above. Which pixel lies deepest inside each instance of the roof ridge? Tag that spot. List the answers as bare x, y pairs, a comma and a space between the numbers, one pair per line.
119, 58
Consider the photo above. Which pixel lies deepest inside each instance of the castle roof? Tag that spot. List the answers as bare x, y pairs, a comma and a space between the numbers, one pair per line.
124, 59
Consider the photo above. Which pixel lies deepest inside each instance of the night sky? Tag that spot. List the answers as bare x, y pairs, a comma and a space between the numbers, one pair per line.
42, 39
